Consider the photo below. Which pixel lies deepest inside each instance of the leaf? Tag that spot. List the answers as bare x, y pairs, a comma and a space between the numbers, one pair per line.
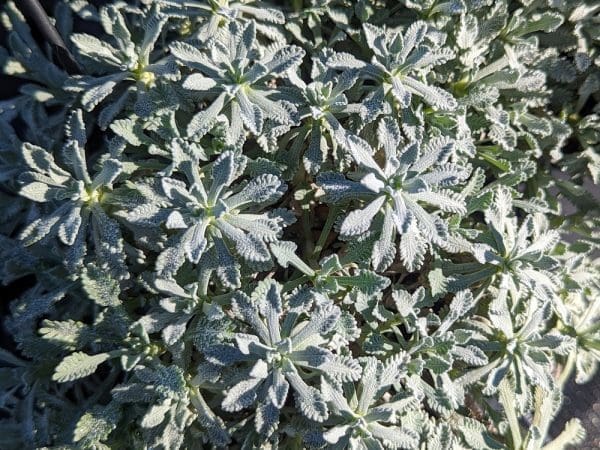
198, 82
438, 283
342, 368
338, 189
97, 424
242, 395
114, 23
285, 252
39, 228
245, 309
108, 243
68, 333
266, 419
98, 90
546, 22
96, 49
344, 61
413, 36
388, 135
42, 161
110, 111
265, 188
173, 332
436, 151
78, 365
249, 247
111, 169
362, 153
384, 250
437, 364
470, 354
311, 356
251, 114
544, 243
270, 306
359, 221
365, 281
433, 95
152, 30
467, 32
227, 269
447, 174
309, 400
194, 241
444, 199
217, 432
476, 436
76, 132
375, 38
37, 192
573, 434
285, 59
69, 226
203, 121
155, 415
400, 93
130, 130
176, 190
278, 390
412, 250
224, 171
264, 228
321, 322
194, 58
395, 437
244, 39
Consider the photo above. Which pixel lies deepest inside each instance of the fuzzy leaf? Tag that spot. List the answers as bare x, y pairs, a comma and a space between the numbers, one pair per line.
78, 365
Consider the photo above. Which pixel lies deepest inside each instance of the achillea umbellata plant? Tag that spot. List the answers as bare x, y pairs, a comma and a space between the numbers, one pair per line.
318, 224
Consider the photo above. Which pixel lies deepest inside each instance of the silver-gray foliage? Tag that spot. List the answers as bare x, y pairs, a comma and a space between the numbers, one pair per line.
311, 224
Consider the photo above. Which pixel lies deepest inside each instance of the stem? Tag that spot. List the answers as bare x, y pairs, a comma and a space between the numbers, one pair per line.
494, 67
391, 322
491, 148
567, 369
204, 281
306, 227
507, 400
331, 216
294, 283
481, 291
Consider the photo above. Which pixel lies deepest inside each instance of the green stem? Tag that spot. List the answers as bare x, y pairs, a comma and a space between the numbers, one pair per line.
204, 281
494, 67
331, 216
294, 283
306, 227
507, 400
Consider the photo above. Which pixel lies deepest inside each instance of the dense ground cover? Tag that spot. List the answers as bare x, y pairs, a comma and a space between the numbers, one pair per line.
319, 224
